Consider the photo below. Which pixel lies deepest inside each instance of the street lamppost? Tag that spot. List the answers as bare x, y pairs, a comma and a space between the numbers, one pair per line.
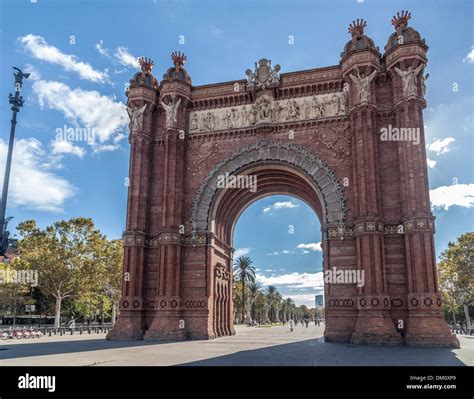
16, 102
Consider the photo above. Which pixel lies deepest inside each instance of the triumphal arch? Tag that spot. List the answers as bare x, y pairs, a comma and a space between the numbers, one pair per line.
347, 139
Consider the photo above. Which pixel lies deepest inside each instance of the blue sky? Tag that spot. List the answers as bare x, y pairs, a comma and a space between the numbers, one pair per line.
82, 53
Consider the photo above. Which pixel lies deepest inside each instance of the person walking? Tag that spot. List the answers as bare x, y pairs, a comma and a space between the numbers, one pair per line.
291, 324
72, 323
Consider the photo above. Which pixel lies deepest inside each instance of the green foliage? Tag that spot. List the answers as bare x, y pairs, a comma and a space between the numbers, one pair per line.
245, 273
78, 268
456, 275
13, 296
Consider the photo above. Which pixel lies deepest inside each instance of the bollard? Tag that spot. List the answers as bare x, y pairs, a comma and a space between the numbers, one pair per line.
50, 333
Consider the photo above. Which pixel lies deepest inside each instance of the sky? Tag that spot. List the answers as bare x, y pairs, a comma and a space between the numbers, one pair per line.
81, 54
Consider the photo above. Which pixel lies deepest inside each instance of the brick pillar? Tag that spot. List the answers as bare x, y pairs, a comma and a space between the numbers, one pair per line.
168, 322
425, 324
374, 324
405, 59
131, 323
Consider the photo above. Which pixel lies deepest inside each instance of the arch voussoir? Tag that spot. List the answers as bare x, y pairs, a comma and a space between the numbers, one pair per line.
319, 173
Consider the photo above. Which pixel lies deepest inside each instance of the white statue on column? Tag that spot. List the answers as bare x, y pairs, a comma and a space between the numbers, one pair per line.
409, 79
136, 117
363, 85
171, 111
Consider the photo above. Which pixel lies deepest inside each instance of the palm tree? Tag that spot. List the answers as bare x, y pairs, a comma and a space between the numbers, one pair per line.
274, 299
289, 303
254, 292
245, 273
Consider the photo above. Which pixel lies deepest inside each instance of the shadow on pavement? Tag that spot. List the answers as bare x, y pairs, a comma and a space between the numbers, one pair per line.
316, 352
37, 348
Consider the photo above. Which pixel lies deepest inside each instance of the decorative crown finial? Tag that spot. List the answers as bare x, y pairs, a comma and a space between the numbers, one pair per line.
401, 19
179, 59
146, 64
357, 27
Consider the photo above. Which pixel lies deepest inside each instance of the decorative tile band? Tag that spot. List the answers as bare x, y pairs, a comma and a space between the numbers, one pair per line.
410, 225
140, 239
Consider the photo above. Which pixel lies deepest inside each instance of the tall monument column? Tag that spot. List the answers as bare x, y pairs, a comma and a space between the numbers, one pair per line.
361, 63
405, 55
168, 322
142, 99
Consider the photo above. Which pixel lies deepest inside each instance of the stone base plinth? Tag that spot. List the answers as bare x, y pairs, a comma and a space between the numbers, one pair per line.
375, 329
173, 335
126, 328
423, 330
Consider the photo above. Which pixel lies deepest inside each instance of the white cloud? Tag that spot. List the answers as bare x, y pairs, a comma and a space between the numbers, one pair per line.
440, 146
124, 57
60, 147
40, 49
456, 194
431, 163
88, 109
314, 246
102, 50
286, 252
294, 280
34, 73
32, 185
241, 252
280, 205
121, 56
470, 56
273, 253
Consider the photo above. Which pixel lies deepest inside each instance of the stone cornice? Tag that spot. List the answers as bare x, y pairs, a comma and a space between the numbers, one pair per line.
403, 51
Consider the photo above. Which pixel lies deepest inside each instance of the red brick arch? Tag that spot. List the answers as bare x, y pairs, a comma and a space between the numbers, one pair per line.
279, 168
313, 134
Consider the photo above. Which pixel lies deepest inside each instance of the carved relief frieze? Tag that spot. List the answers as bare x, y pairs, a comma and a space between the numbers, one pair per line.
265, 109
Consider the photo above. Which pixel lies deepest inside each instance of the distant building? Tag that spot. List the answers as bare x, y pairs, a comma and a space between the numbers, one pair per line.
319, 301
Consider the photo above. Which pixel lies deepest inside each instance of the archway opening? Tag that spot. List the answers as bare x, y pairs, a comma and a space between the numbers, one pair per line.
281, 236
229, 203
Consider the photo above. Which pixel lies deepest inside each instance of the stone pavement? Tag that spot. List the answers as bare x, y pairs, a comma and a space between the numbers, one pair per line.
251, 346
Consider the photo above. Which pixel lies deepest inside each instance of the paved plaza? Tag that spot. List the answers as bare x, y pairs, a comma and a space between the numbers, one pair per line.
251, 346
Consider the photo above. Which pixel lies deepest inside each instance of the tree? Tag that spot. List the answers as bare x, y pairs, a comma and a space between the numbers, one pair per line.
13, 294
448, 288
253, 293
245, 273
65, 255
112, 273
288, 308
456, 274
274, 300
